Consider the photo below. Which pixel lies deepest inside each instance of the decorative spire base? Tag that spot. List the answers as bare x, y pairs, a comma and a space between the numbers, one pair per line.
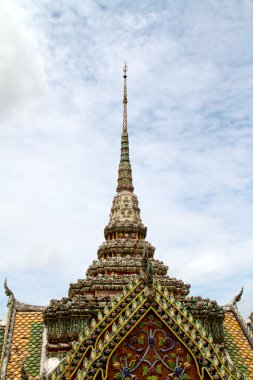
125, 220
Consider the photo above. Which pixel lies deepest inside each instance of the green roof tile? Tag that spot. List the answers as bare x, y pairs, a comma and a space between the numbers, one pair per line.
34, 348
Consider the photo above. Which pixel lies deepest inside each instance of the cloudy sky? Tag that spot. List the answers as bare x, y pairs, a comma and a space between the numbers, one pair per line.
190, 90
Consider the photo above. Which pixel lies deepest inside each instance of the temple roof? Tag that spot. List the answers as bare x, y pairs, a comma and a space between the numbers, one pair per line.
92, 356
135, 306
22, 340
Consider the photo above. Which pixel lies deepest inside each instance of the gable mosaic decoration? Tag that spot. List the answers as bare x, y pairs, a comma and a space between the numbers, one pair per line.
146, 338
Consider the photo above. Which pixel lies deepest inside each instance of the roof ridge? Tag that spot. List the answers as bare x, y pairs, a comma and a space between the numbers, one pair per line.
27, 307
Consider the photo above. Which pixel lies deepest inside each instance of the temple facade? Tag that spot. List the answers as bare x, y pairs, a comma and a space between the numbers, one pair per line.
128, 319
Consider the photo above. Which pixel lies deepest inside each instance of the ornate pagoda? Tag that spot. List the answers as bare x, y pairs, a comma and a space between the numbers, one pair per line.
121, 257
128, 319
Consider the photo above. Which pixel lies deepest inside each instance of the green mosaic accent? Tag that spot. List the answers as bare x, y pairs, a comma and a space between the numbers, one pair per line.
2, 330
34, 349
235, 352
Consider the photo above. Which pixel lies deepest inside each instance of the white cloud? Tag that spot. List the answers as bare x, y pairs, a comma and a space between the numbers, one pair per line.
23, 82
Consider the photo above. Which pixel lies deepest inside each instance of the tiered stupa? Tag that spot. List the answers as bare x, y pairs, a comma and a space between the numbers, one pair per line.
127, 319
122, 256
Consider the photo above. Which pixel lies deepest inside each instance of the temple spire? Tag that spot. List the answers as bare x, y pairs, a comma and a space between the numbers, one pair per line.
125, 219
125, 181
125, 68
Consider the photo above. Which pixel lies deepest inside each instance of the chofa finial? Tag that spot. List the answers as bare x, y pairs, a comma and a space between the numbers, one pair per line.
237, 298
8, 291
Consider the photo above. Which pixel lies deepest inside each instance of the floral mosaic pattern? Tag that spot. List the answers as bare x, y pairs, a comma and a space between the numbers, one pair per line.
152, 352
